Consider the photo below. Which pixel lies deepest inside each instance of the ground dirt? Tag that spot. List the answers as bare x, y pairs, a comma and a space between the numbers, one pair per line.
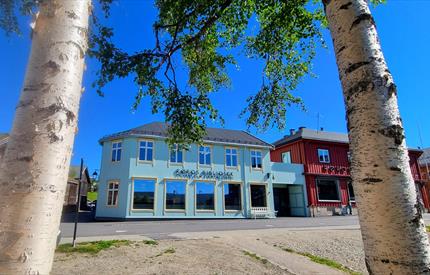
202, 256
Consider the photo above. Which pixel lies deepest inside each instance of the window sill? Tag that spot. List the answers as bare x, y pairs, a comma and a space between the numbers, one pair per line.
204, 211
232, 167
145, 161
142, 210
232, 211
175, 210
329, 201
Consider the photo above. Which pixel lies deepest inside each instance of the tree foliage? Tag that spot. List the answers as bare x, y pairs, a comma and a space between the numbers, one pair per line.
202, 35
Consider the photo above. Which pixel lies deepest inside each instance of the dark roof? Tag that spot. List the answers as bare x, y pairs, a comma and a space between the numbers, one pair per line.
305, 133
217, 135
425, 157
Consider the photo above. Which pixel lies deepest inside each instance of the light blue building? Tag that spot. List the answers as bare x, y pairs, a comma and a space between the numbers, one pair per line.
229, 176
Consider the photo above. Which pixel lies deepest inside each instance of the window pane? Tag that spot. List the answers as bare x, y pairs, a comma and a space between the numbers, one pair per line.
258, 195
142, 154
149, 154
351, 191
208, 159
286, 157
201, 149
175, 195
109, 198
234, 160
113, 155
150, 144
143, 197
232, 199
115, 197
173, 156
118, 154
201, 158
205, 196
228, 159
327, 190
119, 144
179, 156
114, 145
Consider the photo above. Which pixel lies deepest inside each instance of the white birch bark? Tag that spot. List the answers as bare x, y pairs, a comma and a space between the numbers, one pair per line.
391, 222
33, 173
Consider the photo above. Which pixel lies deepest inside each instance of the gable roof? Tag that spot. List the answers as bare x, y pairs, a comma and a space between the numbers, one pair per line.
305, 133
425, 157
215, 135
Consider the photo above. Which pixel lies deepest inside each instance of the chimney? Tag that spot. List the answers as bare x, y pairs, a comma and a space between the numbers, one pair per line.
292, 132
301, 128
322, 129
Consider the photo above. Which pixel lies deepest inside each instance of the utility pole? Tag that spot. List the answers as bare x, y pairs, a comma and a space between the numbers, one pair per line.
78, 203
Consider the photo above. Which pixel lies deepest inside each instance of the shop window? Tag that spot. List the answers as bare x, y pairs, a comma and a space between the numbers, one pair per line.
205, 195
323, 156
205, 155
175, 195
116, 151
258, 195
328, 190
256, 160
286, 157
231, 157
112, 193
146, 150
143, 194
232, 196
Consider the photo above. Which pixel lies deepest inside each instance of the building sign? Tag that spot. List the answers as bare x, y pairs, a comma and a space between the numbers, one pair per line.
195, 174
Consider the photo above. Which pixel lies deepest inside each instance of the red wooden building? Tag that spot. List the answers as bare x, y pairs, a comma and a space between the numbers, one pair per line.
325, 156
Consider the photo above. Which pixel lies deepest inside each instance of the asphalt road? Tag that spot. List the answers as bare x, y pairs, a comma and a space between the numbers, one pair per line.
161, 229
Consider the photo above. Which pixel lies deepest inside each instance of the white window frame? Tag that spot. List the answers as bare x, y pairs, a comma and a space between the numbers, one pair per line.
118, 148
146, 147
337, 187
110, 192
261, 157
324, 155
176, 151
205, 155
230, 155
285, 154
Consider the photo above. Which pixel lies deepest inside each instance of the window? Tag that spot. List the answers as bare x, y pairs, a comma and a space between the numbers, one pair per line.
205, 155
231, 157
175, 195
258, 195
145, 150
116, 151
143, 195
351, 192
176, 155
256, 161
328, 190
232, 196
205, 195
323, 155
286, 157
348, 155
113, 188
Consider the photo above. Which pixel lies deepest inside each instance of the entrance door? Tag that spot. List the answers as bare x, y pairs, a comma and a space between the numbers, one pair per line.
282, 201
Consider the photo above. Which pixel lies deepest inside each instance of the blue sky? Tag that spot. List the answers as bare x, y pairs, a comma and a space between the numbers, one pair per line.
403, 31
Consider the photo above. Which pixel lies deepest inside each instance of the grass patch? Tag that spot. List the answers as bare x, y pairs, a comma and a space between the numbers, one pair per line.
92, 196
255, 256
323, 261
150, 242
170, 250
91, 247
428, 228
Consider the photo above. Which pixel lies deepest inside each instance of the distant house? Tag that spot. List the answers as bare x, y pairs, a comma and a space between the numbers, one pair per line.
325, 156
71, 195
424, 162
3, 141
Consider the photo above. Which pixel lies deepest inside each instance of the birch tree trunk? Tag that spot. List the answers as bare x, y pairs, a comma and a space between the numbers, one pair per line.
34, 170
391, 221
